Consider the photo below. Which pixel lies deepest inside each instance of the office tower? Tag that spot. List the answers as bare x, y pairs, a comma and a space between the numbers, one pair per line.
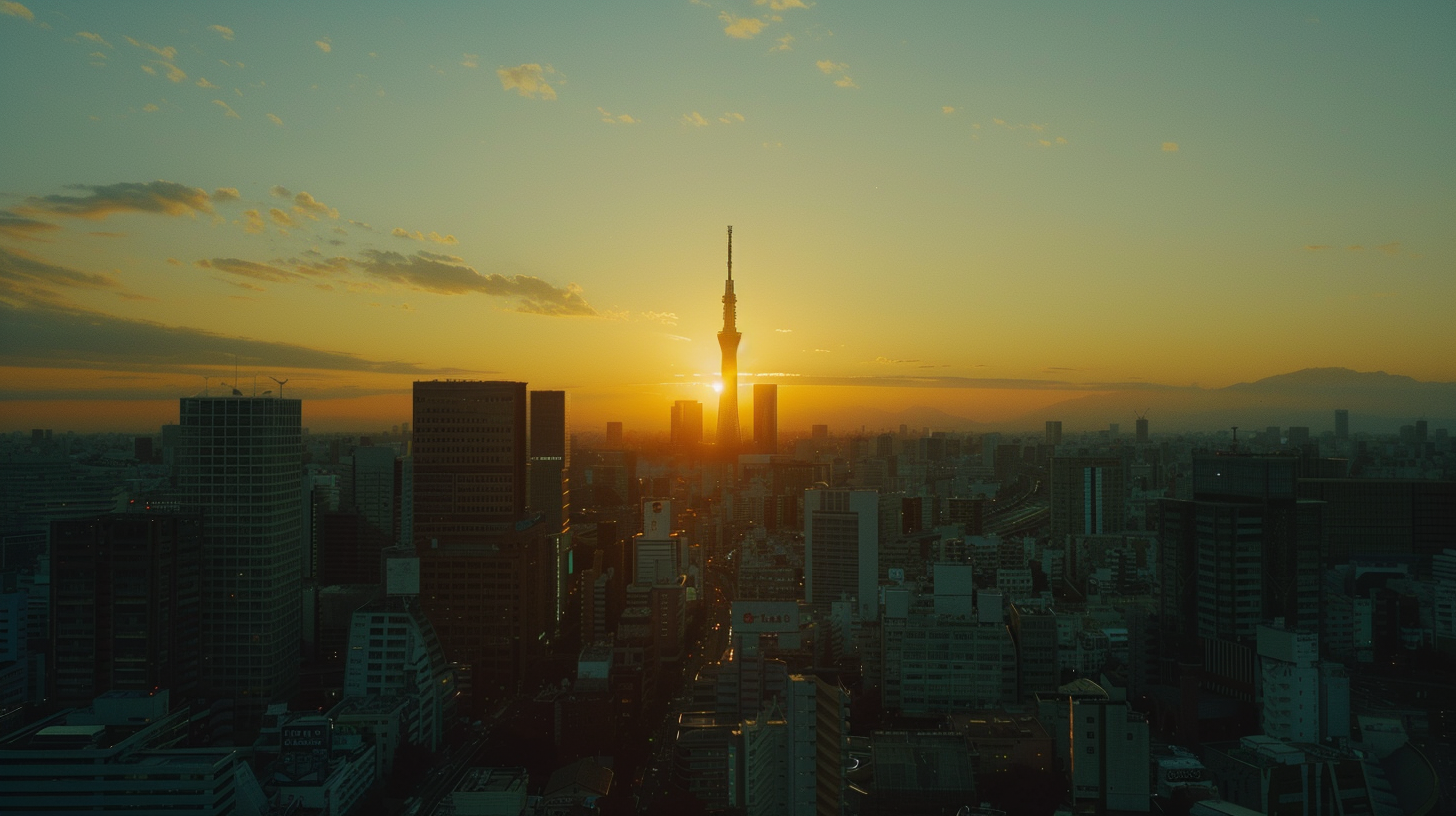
125, 595
1088, 496
241, 467
842, 548
1108, 756
766, 418
1054, 432
1142, 431
1385, 517
374, 488
1342, 424
687, 423
614, 436
819, 433
469, 460
727, 439
550, 459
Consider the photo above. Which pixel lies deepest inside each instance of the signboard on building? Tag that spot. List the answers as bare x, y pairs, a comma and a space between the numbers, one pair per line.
656, 519
760, 617
402, 576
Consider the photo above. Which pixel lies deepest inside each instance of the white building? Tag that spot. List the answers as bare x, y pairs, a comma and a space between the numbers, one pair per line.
1290, 683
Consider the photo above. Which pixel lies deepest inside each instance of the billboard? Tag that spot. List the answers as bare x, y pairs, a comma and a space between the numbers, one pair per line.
656, 519
759, 617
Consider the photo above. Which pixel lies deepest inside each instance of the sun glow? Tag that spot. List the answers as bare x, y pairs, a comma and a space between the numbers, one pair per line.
718, 387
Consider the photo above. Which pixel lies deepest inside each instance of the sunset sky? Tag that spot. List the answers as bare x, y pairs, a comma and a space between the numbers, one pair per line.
984, 208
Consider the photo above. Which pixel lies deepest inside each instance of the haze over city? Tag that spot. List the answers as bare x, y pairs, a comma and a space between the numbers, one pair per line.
983, 212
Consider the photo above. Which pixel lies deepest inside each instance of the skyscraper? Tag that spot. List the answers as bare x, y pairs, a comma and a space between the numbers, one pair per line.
842, 548
1054, 432
766, 418
469, 460
687, 422
1087, 496
550, 459
728, 338
1342, 423
241, 467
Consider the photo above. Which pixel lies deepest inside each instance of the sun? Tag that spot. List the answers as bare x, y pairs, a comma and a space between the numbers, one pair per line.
718, 386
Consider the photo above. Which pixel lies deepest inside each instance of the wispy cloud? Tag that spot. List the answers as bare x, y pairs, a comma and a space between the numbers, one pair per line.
784, 43
275, 120
307, 205
96, 38
433, 237
281, 218
784, 331
26, 279
830, 67
164, 197
782, 5
18, 226
528, 80
694, 119
222, 31
324, 45
167, 53
947, 109
1315, 247
253, 222
248, 269
449, 275
730, 118
619, 119
279, 191
1170, 147
1392, 249
16, 10
742, 28
470, 61
203, 83
226, 194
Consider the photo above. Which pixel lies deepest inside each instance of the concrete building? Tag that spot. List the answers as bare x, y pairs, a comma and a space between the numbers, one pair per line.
936, 663
1034, 630
375, 489
841, 548
470, 461
550, 460
686, 423
125, 606
241, 467
1290, 683
121, 754
1054, 432
1108, 756
1270, 775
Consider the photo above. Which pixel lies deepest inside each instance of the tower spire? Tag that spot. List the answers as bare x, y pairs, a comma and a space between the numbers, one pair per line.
730, 252
728, 342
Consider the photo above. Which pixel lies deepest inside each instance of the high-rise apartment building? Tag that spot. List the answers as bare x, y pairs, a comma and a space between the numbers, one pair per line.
241, 467
842, 548
687, 423
1054, 432
469, 460
550, 461
374, 488
1088, 496
766, 417
1142, 431
125, 595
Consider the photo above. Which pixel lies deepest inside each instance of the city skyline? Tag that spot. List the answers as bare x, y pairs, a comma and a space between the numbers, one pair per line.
977, 211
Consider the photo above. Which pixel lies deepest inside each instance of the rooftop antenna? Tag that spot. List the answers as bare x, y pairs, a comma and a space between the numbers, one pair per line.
730, 252
280, 385
1143, 414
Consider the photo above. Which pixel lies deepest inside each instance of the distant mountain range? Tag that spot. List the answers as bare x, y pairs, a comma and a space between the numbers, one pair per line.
1378, 403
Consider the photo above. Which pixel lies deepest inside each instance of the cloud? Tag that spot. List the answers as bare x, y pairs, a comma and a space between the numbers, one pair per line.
1170, 147
448, 275
470, 61
18, 226
312, 207
1355, 248
222, 30
784, 331
1315, 247
168, 53
694, 119
831, 67
742, 28
16, 10
730, 118
281, 218
620, 119
29, 280
845, 82
279, 191
249, 269
96, 38
433, 237
52, 337
1392, 249
947, 109
782, 5
528, 80
665, 318
203, 83
173, 72
888, 361
784, 43
275, 120
253, 222
165, 197
227, 109
324, 45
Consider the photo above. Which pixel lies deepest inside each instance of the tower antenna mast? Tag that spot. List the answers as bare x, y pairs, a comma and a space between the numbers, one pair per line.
730, 252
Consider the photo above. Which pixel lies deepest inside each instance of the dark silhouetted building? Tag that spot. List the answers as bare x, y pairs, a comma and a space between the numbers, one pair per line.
766, 417
686, 427
125, 606
1088, 496
550, 463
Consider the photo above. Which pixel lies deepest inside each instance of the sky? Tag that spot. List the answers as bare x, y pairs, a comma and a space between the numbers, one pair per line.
980, 208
